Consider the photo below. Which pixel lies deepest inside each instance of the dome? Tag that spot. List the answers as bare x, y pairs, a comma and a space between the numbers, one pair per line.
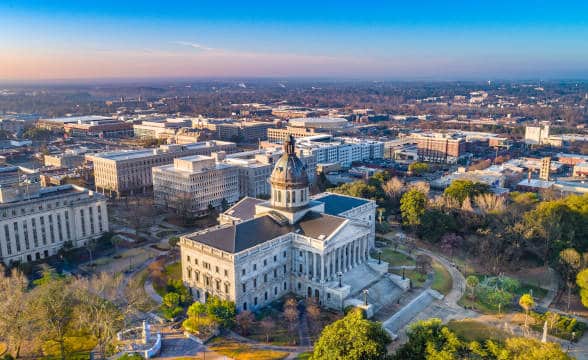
289, 172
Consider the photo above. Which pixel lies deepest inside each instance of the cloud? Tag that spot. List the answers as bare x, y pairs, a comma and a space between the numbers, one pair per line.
194, 45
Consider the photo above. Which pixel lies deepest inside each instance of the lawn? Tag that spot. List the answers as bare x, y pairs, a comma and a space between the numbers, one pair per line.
170, 272
471, 330
480, 305
243, 351
417, 279
442, 281
304, 356
78, 346
163, 233
394, 258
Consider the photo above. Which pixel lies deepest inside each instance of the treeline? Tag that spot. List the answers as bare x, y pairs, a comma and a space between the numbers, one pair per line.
61, 316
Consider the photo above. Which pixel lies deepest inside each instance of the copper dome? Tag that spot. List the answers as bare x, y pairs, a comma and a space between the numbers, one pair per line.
289, 172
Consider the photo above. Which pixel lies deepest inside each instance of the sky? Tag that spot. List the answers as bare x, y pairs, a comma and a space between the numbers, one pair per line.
362, 39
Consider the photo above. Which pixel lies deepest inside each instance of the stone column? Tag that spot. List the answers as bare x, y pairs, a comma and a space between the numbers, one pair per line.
323, 270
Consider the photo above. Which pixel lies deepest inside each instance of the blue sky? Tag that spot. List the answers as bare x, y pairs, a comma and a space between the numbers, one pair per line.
361, 39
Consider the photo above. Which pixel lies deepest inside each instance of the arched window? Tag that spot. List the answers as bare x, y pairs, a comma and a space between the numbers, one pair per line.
244, 306
287, 197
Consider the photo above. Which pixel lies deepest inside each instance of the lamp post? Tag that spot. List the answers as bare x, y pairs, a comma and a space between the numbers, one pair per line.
403, 273
379, 257
365, 295
340, 275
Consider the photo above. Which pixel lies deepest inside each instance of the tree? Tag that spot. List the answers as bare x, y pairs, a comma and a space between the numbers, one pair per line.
170, 305
527, 303
291, 313
418, 168
450, 242
245, 320
393, 188
572, 263
53, 305
459, 190
352, 338
313, 311
472, 283
268, 326
412, 206
434, 224
582, 282
423, 263
221, 311
15, 311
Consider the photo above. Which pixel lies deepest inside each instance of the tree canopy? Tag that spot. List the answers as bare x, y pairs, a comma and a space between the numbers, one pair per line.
459, 190
352, 338
412, 206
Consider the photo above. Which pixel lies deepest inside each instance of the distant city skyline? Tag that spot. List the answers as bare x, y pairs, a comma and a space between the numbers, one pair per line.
457, 40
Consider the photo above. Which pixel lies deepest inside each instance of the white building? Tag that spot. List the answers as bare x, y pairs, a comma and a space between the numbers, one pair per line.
36, 222
291, 243
341, 150
256, 166
195, 183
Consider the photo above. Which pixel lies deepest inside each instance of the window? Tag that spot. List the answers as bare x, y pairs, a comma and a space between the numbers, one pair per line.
254, 267
244, 287
227, 288
299, 286
275, 273
264, 262
285, 285
244, 306
216, 269
264, 278
275, 258
284, 269
300, 268
226, 272
255, 301
254, 283
242, 271
188, 258
276, 290
285, 254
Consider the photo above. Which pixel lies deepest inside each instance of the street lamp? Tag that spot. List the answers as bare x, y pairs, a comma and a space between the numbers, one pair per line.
365, 294
379, 257
403, 273
340, 275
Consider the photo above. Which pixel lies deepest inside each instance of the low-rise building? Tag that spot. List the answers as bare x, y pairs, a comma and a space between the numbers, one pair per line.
106, 128
161, 129
129, 172
193, 185
440, 147
36, 222
581, 169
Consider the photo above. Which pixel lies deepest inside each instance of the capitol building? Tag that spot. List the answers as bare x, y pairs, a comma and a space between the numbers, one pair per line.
312, 246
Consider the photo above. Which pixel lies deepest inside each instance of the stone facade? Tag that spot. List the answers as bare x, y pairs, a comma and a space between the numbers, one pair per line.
291, 243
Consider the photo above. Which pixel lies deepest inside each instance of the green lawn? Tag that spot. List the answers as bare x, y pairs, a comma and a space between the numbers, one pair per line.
394, 258
78, 346
471, 330
304, 356
416, 278
171, 272
442, 281
242, 351
480, 306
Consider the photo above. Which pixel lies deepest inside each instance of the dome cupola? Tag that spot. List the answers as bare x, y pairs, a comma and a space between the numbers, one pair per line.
289, 179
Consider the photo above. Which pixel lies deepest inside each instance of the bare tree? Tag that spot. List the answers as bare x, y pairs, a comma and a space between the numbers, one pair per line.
313, 311
423, 263
393, 188
490, 203
15, 323
268, 326
245, 320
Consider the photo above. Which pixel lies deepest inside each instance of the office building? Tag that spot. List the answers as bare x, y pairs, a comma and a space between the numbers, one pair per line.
440, 148
36, 222
129, 172
193, 185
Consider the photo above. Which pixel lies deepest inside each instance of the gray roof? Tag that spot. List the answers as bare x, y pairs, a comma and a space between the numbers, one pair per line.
247, 234
337, 204
244, 209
